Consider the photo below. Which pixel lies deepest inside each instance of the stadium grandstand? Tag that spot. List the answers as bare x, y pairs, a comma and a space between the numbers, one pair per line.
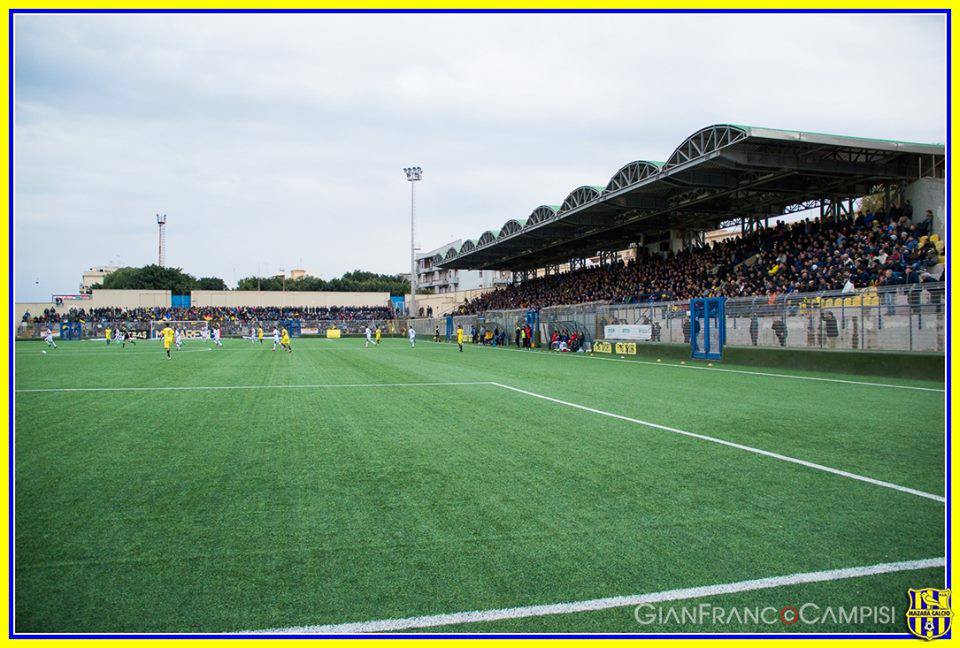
811, 262
719, 173
812, 255
211, 313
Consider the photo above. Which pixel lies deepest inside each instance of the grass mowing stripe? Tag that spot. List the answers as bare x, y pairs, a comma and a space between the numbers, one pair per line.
220, 387
731, 444
721, 369
703, 437
478, 616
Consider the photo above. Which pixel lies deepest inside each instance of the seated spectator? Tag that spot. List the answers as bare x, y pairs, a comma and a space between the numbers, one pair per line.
243, 314
874, 249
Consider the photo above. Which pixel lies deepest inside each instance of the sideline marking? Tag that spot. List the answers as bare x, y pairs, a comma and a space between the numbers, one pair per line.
479, 616
225, 387
540, 352
746, 372
731, 444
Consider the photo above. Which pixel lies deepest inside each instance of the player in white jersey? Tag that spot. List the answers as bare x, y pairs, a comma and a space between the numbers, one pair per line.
276, 338
48, 338
178, 338
253, 334
216, 336
369, 335
413, 336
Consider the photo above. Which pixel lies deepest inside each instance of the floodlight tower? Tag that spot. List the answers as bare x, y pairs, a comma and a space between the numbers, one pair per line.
161, 241
414, 175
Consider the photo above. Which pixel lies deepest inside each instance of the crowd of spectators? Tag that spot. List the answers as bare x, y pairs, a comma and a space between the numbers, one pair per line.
563, 340
212, 314
812, 255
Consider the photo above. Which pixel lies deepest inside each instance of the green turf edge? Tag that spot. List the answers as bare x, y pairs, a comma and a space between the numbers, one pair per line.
889, 364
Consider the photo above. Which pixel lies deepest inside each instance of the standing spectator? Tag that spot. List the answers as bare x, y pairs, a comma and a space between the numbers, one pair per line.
780, 330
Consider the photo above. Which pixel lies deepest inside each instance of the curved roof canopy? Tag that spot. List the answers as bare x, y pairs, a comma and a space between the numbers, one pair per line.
719, 172
580, 196
540, 214
631, 174
512, 226
703, 142
486, 238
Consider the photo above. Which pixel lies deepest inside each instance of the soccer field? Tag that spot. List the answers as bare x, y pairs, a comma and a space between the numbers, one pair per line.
338, 487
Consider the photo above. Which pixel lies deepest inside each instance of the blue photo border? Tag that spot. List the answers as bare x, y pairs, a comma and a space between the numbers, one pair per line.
946, 12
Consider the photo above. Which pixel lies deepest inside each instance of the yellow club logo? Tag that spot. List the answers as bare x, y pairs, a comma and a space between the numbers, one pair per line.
929, 614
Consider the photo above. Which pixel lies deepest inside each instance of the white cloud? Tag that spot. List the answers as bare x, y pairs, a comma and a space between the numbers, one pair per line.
270, 139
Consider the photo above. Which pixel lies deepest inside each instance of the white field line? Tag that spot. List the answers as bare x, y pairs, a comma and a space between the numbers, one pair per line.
438, 346
745, 372
227, 387
479, 616
122, 353
731, 444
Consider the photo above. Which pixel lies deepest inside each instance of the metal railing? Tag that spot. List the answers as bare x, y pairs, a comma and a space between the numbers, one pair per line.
895, 318
228, 328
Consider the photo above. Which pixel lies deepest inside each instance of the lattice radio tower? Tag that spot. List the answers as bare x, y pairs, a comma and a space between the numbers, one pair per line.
161, 241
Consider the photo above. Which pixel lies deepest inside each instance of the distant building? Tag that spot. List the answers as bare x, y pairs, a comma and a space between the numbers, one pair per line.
297, 273
430, 275
94, 276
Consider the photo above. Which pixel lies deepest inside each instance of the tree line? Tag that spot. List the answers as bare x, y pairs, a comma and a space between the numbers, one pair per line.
154, 277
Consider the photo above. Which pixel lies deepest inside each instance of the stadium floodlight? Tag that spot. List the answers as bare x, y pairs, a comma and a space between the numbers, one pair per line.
414, 174
161, 240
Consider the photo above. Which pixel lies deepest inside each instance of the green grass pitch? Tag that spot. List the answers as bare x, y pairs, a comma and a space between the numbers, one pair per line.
303, 494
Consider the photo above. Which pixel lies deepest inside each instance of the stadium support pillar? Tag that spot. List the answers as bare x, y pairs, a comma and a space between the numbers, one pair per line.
829, 208
694, 238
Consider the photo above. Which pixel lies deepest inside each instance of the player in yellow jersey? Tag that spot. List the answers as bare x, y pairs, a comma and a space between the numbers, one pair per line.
376, 335
285, 340
107, 334
260, 335
168, 335
460, 337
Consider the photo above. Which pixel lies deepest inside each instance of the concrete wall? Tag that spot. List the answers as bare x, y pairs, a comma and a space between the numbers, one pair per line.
924, 194
229, 298
446, 302
233, 298
100, 299
34, 308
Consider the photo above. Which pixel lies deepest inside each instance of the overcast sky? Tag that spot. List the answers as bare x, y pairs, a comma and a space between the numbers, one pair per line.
279, 141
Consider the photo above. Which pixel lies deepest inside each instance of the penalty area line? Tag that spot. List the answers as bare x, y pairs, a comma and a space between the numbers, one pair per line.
731, 444
480, 616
